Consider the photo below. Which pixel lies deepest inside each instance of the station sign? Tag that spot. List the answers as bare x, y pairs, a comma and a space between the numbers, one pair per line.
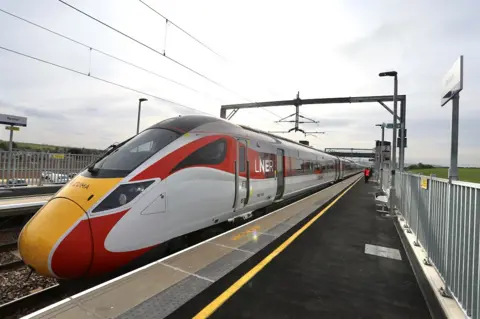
390, 125
13, 120
57, 156
424, 182
452, 82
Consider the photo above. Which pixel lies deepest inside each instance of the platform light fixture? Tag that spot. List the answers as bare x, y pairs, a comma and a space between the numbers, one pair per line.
139, 108
389, 73
394, 139
381, 152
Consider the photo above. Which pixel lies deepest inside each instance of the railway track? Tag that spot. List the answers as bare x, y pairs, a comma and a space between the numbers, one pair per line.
11, 265
9, 257
8, 247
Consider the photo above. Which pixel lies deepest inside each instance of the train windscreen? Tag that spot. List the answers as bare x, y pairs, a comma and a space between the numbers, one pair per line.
124, 159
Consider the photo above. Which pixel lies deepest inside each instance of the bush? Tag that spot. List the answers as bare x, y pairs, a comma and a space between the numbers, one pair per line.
420, 166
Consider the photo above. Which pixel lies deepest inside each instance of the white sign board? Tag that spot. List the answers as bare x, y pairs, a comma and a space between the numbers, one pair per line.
13, 120
453, 81
390, 125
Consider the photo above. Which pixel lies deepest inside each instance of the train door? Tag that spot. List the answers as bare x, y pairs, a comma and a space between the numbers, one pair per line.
242, 175
337, 169
280, 174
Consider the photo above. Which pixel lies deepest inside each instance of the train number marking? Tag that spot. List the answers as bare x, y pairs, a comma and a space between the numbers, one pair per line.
245, 232
81, 185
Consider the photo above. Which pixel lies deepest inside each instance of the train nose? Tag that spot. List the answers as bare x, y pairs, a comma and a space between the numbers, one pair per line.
47, 241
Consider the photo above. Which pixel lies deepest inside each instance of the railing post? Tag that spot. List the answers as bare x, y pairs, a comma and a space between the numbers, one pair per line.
445, 291
419, 200
40, 180
428, 234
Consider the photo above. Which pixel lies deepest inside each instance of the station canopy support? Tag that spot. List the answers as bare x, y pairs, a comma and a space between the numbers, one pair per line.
351, 152
335, 100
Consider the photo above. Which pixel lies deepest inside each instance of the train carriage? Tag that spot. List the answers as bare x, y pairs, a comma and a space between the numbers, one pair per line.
178, 176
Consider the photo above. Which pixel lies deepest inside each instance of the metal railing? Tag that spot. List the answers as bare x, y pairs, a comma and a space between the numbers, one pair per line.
41, 168
445, 219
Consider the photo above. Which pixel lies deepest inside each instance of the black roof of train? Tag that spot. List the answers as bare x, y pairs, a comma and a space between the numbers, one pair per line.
187, 123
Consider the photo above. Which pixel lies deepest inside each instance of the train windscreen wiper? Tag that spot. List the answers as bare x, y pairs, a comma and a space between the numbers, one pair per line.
107, 152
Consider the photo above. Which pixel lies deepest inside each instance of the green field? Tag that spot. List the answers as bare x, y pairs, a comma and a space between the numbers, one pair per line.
464, 174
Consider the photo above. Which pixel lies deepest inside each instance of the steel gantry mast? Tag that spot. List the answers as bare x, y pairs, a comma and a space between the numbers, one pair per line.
402, 139
297, 121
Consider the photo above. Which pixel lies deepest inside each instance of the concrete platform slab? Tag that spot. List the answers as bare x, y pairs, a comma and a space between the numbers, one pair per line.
24, 200
193, 260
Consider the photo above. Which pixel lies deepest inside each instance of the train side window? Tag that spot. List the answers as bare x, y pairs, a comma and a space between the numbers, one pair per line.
298, 167
241, 164
210, 154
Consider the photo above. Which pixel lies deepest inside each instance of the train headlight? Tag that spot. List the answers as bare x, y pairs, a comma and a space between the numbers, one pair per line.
122, 195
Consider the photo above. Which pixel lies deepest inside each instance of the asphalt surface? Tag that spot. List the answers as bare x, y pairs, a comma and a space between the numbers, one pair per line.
325, 272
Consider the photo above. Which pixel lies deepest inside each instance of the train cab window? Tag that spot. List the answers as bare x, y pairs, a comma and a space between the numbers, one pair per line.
241, 159
146, 147
210, 154
130, 154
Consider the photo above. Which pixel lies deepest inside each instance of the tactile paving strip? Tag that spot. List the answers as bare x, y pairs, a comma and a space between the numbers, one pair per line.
224, 265
164, 303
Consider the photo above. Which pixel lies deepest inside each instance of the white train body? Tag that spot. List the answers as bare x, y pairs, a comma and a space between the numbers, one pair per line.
176, 177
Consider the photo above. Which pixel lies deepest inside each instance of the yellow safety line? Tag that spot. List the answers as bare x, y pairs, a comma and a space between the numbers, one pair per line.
215, 304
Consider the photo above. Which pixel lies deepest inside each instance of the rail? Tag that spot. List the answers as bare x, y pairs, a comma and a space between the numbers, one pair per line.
41, 168
445, 219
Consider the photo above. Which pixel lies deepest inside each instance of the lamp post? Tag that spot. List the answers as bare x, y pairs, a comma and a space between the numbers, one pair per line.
394, 140
139, 108
381, 153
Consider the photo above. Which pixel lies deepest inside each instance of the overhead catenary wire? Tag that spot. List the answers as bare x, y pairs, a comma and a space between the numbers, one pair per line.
181, 29
108, 54
121, 60
154, 50
197, 40
101, 79
161, 54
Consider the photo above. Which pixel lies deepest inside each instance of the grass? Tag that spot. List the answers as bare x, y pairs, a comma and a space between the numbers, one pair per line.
464, 174
33, 146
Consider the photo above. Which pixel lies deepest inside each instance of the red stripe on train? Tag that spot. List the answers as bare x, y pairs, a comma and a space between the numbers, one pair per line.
79, 240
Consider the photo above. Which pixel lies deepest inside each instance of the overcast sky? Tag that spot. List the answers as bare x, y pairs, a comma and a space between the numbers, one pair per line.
269, 50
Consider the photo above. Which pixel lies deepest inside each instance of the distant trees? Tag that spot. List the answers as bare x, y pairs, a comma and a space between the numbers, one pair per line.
31, 147
420, 166
4, 145
75, 151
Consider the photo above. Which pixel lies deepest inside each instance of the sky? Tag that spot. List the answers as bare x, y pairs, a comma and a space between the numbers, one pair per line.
262, 51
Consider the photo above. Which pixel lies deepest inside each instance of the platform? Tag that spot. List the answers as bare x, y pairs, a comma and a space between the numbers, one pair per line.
349, 263
30, 190
20, 205
158, 289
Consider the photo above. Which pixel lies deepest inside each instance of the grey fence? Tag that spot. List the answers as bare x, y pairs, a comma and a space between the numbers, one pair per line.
40, 168
445, 218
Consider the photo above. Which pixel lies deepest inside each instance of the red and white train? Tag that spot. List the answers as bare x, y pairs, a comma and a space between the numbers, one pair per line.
176, 177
